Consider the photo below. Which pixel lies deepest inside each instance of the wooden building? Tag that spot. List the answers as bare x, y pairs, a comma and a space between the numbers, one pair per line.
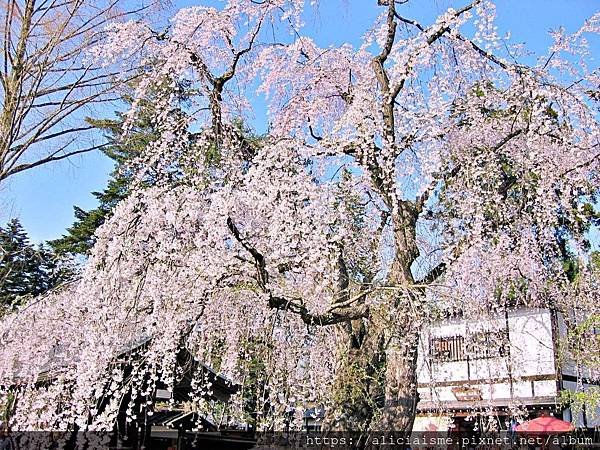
510, 364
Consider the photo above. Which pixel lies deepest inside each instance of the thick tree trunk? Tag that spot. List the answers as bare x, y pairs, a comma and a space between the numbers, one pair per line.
376, 386
401, 395
359, 381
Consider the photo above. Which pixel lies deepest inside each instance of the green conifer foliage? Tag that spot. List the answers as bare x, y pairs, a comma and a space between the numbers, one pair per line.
26, 270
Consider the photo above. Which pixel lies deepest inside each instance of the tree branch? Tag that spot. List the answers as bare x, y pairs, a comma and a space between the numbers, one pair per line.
333, 316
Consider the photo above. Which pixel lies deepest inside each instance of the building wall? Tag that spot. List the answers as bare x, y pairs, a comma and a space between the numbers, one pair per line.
529, 362
528, 374
532, 344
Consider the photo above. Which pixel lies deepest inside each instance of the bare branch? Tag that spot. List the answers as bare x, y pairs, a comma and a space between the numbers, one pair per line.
48, 159
46, 81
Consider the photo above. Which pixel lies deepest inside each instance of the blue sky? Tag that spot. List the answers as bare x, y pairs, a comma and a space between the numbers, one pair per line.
43, 198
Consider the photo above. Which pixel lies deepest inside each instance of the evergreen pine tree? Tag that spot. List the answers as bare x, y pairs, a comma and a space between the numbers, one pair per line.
26, 270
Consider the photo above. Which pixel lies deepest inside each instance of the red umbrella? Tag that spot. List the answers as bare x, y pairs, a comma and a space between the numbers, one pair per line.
545, 425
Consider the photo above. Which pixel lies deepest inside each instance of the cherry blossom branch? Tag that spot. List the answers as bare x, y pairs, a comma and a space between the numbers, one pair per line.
490, 56
219, 83
286, 304
382, 76
583, 164
424, 197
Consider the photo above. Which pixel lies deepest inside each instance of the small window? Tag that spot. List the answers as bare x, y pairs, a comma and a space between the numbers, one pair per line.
447, 349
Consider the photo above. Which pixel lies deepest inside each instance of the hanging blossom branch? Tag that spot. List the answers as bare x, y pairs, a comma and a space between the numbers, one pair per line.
295, 305
399, 181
